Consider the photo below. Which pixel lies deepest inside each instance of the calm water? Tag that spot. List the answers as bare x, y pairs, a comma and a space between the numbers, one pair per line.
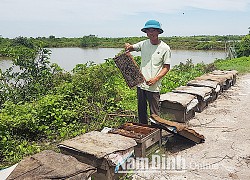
68, 58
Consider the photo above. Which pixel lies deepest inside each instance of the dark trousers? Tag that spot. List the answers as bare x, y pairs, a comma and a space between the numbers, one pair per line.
144, 98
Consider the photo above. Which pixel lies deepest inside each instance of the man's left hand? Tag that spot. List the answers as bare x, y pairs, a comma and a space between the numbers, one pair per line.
151, 81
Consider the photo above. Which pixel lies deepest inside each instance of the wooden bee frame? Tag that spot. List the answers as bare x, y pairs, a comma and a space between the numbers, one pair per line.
129, 69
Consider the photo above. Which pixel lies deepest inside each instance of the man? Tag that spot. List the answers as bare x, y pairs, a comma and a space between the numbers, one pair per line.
155, 63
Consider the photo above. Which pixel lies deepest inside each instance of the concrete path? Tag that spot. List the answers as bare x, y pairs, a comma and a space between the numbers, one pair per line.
225, 154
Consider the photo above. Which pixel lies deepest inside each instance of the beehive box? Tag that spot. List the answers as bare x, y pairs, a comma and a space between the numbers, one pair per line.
179, 107
216, 88
144, 135
101, 150
225, 78
51, 165
203, 95
231, 75
222, 81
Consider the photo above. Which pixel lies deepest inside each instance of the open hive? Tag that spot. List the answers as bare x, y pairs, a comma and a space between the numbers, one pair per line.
144, 135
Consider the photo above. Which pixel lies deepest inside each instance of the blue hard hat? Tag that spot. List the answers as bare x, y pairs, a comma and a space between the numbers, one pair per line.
152, 24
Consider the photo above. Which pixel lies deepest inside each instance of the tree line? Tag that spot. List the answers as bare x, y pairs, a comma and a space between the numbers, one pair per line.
202, 42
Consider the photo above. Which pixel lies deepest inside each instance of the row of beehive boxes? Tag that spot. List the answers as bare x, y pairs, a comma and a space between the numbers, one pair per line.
181, 104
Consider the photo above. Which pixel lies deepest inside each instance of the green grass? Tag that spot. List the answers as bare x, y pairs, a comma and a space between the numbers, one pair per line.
242, 64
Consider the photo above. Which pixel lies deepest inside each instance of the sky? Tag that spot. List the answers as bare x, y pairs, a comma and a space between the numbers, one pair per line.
122, 18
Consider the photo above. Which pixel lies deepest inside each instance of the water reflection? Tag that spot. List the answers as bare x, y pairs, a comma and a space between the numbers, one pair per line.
196, 56
4, 64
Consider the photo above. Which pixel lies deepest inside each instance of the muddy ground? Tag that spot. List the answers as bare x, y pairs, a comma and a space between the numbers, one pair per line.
225, 154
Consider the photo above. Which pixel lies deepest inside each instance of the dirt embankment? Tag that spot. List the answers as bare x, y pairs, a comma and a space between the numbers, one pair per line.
225, 154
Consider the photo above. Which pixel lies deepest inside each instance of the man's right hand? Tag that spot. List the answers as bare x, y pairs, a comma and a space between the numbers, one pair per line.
128, 47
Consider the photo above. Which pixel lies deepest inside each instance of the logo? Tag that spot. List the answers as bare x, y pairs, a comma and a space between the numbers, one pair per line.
156, 163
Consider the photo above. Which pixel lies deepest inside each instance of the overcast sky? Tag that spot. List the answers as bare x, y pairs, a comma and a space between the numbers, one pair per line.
122, 18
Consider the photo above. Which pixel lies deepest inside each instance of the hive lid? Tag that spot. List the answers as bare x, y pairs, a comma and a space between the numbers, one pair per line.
99, 144
180, 98
51, 165
220, 72
219, 79
203, 83
198, 91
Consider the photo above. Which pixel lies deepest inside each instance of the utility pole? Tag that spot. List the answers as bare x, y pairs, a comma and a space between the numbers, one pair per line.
249, 30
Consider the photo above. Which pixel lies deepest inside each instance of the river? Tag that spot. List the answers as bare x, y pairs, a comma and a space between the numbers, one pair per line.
68, 58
